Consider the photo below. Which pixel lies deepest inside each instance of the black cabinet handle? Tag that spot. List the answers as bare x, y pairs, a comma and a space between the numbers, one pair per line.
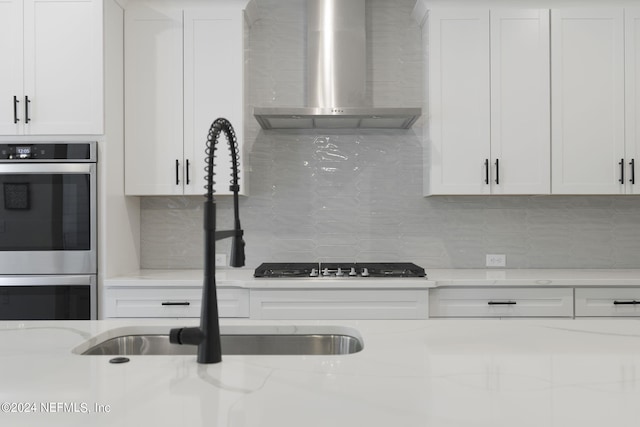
501, 303
632, 163
497, 171
176, 303
177, 172
26, 109
634, 302
15, 109
188, 180
621, 163
486, 171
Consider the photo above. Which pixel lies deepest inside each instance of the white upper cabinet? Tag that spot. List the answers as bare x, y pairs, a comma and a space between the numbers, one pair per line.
53, 83
213, 64
459, 102
183, 69
632, 98
588, 101
11, 88
488, 102
520, 102
153, 101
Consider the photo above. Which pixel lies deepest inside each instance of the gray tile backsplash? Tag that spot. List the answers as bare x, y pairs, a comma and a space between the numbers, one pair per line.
357, 195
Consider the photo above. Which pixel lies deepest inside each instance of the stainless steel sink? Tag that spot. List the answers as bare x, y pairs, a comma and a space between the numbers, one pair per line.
250, 344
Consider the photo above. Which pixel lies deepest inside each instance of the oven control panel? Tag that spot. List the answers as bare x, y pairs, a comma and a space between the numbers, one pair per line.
19, 152
46, 151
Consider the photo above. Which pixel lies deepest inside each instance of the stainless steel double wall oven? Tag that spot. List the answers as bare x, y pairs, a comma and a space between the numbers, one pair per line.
48, 231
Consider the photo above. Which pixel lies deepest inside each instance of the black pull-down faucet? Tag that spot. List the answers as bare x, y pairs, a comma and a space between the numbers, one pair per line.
207, 335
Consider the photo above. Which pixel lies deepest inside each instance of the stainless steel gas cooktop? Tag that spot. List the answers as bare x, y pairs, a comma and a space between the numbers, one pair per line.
339, 269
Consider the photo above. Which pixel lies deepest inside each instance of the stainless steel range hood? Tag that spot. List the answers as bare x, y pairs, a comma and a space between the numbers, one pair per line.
336, 76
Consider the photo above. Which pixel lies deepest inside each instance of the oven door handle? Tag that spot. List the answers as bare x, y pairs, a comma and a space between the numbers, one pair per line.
46, 168
54, 280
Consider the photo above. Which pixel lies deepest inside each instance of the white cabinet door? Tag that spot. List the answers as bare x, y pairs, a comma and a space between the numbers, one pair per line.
489, 102
51, 81
587, 78
11, 90
459, 100
501, 302
520, 102
183, 69
339, 304
153, 101
213, 88
167, 301
632, 98
63, 66
608, 302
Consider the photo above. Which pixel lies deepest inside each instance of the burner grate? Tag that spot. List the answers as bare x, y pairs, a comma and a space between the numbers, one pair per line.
340, 269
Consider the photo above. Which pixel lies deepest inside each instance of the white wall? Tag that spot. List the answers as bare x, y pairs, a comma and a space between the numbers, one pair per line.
119, 222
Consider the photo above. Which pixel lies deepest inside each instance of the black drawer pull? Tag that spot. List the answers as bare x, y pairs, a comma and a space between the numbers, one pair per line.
497, 171
634, 302
177, 172
501, 303
632, 163
176, 303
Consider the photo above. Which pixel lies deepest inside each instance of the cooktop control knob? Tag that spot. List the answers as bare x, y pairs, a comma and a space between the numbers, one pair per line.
314, 272
339, 273
352, 272
325, 271
365, 272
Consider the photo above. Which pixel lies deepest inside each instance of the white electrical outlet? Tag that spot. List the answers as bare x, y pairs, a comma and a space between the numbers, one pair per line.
221, 260
496, 260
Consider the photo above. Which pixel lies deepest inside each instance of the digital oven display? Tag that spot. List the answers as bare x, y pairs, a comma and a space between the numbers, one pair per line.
25, 151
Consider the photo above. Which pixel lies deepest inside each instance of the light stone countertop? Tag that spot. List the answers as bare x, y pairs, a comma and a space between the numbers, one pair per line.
243, 277
535, 277
436, 373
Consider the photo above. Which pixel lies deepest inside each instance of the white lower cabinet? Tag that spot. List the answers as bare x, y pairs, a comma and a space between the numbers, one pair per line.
316, 304
185, 302
339, 304
174, 302
607, 302
501, 302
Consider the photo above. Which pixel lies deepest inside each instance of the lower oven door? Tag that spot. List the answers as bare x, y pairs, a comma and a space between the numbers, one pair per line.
48, 218
57, 297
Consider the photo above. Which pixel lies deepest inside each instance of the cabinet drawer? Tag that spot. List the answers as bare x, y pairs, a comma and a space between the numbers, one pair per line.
339, 304
172, 302
616, 302
501, 302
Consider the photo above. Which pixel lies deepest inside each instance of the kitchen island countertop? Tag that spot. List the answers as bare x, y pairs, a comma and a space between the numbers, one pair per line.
436, 373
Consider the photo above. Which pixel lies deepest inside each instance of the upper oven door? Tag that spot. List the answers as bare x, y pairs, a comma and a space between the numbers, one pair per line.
47, 218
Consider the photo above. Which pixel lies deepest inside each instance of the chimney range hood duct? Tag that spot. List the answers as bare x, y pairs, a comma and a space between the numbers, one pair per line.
336, 76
